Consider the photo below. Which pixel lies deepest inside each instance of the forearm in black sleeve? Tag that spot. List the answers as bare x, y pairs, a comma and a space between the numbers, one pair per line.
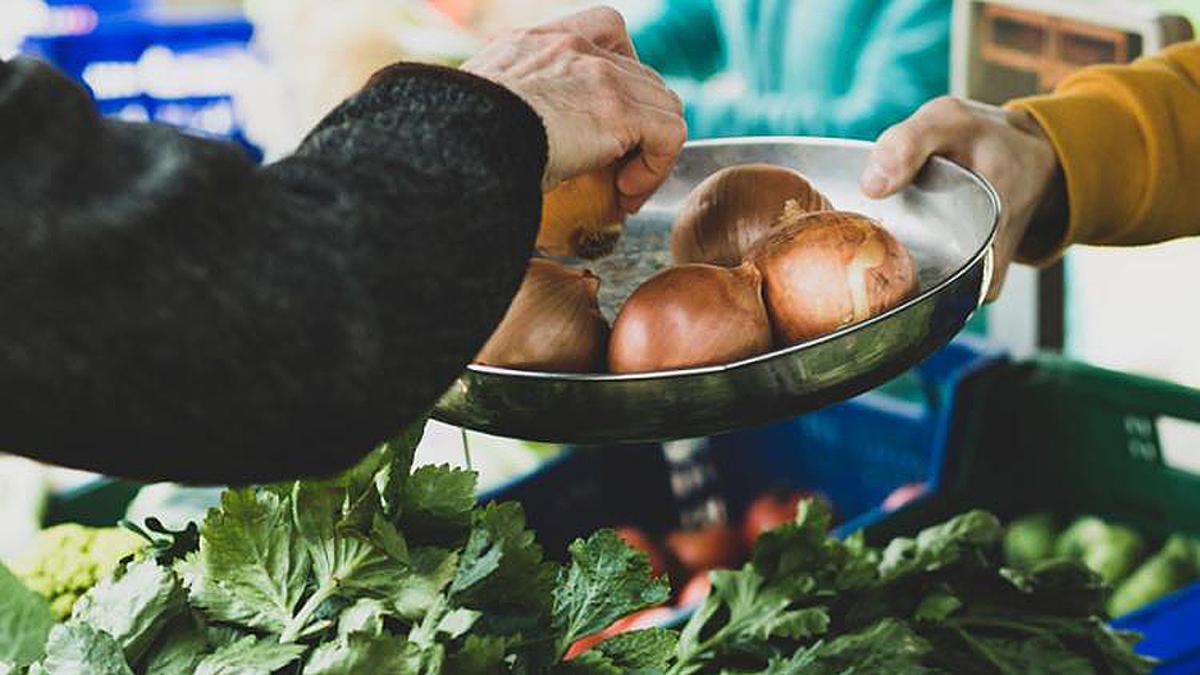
170, 311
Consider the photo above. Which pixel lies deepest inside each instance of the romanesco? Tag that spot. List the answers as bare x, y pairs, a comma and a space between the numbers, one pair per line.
67, 560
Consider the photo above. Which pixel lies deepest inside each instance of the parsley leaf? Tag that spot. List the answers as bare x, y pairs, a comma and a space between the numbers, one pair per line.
359, 653
249, 656
25, 621
605, 581
435, 507
133, 605
252, 569
640, 651
76, 647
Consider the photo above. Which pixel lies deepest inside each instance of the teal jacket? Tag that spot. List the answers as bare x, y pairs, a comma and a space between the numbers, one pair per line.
844, 68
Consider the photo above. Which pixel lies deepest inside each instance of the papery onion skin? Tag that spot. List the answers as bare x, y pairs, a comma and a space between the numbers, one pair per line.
582, 217
554, 323
689, 316
730, 211
824, 271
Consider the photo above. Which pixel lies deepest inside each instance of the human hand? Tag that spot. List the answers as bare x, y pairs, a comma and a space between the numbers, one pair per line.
599, 104
1006, 147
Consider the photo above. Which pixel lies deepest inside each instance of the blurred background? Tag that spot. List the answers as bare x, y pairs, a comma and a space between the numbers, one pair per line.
260, 73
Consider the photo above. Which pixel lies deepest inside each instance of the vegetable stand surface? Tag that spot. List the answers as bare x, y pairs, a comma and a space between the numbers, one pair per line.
939, 600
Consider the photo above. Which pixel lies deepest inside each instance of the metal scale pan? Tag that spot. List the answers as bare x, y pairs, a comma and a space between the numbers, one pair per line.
947, 219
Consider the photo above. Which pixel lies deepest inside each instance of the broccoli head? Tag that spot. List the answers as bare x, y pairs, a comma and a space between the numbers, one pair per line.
67, 560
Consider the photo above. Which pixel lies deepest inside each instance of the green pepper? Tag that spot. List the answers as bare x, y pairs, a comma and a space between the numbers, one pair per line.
1112, 551
1172, 568
1030, 539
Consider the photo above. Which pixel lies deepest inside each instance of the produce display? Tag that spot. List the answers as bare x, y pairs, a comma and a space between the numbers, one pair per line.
386, 569
940, 602
380, 570
1117, 553
761, 260
687, 555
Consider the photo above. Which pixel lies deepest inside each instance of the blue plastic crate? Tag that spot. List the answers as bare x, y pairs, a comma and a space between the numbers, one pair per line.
855, 453
859, 451
144, 67
1171, 630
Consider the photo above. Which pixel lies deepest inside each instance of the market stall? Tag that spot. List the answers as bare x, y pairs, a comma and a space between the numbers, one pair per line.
764, 425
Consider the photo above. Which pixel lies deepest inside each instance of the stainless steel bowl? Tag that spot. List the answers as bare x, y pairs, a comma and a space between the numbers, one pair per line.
947, 220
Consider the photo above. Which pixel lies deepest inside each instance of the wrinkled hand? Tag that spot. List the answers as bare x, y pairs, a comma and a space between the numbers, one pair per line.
1007, 147
599, 104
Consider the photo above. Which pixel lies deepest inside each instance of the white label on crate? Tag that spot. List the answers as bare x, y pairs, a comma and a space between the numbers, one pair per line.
1179, 441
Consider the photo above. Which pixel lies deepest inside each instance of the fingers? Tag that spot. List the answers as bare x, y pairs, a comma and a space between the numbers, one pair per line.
603, 26
639, 85
942, 126
661, 135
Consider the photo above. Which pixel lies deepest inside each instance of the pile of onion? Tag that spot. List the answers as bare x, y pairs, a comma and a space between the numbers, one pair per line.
688, 316
761, 260
553, 324
582, 217
824, 271
731, 210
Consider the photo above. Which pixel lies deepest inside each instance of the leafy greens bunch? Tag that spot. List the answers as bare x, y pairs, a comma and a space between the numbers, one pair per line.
381, 570
810, 604
389, 570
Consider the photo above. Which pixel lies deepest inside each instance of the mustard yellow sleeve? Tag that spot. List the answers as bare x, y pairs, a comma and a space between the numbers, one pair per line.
1128, 138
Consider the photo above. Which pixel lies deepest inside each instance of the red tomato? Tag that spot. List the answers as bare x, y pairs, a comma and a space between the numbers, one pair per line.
716, 546
903, 495
694, 591
768, 512
639, 540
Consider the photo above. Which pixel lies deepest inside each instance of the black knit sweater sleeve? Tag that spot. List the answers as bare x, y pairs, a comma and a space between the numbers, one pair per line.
168, 310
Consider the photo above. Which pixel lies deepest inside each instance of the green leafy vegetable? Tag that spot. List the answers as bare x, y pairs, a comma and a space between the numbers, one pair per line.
360, 653
76, 647
605, 581
384, 569
939, 602
641, 651
252, 569
182, 646
249, 656
25, 621
133, 606
435, 507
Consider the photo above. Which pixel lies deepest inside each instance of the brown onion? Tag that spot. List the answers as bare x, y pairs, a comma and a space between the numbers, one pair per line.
582, 217
691, 315
826, 270
731, 210
553, 324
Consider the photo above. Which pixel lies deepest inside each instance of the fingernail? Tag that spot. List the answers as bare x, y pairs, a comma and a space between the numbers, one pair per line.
874, 180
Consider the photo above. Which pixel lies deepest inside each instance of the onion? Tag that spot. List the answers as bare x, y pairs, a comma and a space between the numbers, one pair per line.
731, 210
581, 217
822, 271
691, 315
553, 324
